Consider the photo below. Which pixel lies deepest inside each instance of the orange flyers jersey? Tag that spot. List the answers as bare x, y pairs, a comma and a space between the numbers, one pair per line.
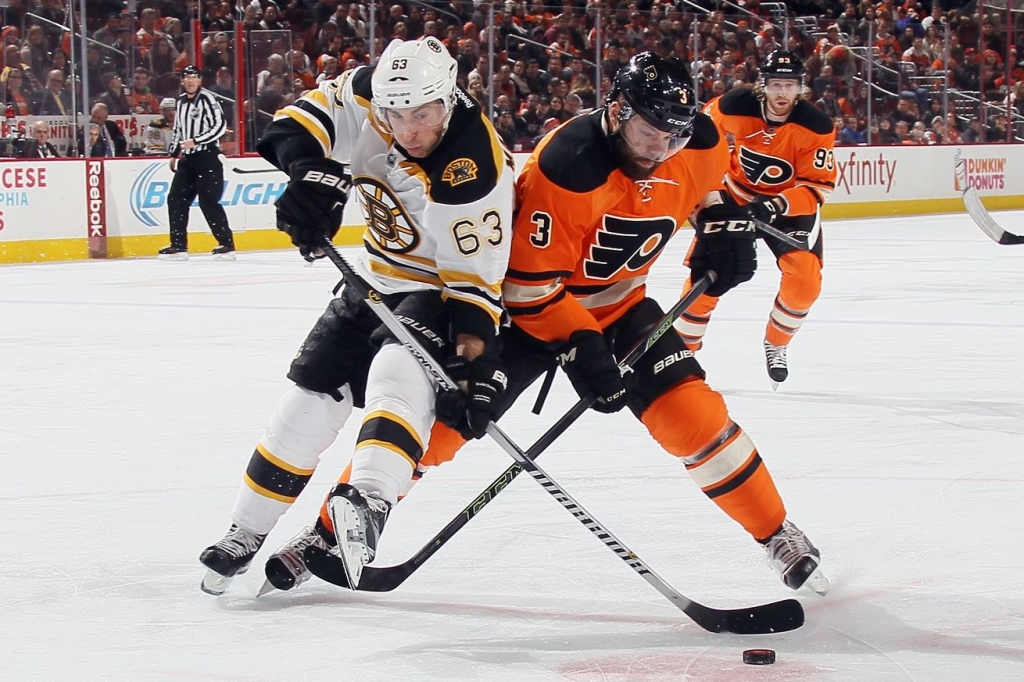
585, 235
793, 160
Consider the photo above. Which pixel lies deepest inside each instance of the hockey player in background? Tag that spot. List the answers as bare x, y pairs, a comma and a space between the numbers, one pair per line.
781, 171
597, 202
436, 186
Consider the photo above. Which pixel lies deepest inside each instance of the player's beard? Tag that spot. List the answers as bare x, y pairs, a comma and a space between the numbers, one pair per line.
632, 165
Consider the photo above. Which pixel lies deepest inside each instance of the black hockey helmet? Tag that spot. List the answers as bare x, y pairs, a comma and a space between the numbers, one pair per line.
782, 64
660, 90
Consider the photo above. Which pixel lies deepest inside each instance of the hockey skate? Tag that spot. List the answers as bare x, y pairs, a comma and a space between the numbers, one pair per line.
224, 253
795, 559
286, 568
778, 368
172, 253
229, 557
358, 522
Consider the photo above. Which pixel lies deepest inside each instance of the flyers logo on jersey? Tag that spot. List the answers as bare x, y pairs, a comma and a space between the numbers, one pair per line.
763, 169
459, 171
630, 243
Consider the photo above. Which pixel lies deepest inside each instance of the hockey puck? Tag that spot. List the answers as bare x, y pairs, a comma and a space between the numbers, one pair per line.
759, 656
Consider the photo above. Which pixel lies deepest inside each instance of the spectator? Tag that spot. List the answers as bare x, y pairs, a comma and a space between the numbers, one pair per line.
114, 96
506, 128
224, 92
162, 56
330, 68
354, 25
572, 105
272, 19
302, 75
108, 33
907, 109
997, 130
886, 133
36, 52
850, 135
55, 99
40, 147
141, 100
974, 133
110, 140
276, 65
16, 94
828, 102
952, 130
218, 54
903, 133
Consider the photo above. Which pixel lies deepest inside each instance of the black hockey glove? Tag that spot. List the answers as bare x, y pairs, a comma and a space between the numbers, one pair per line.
311, 206
766, 209
726, 243
472, 408
592, 369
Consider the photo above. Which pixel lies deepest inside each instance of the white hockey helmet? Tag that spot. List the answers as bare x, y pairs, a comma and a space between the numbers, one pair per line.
412, 73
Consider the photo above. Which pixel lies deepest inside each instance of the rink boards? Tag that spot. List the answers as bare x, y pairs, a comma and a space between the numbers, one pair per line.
112, 208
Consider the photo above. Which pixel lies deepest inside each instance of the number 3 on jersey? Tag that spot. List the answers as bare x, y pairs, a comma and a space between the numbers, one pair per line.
541, 237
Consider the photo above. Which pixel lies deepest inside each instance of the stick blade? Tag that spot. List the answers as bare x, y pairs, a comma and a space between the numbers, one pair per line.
983, 219
766, 619
329, 567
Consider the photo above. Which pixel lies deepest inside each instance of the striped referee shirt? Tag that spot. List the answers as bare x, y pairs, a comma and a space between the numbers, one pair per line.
198, 118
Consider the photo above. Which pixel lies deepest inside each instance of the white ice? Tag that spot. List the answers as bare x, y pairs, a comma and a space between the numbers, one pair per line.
133, 392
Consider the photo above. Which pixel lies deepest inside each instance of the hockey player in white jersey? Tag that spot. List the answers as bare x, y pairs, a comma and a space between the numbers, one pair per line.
436, 188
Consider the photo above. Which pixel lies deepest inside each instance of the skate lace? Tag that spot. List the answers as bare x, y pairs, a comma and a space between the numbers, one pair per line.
239, 543
291, 554
776, 356
788, 545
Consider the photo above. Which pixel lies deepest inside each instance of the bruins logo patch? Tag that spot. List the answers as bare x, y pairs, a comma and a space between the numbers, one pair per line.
459, 171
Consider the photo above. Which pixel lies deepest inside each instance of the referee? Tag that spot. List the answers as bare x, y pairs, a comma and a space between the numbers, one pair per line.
198, 124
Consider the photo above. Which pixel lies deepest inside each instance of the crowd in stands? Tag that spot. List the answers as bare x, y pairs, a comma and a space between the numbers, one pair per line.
920, 56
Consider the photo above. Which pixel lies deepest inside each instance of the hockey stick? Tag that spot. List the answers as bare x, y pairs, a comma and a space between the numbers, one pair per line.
779, 616
249, 171
780, 235
983, 219
387, 578
979, 214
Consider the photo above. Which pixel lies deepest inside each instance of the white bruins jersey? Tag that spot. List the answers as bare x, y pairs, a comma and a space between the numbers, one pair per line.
441, 222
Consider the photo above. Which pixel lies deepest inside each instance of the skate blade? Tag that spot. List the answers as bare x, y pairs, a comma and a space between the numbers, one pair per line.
345, 518
214, 583
224, 256
266, 589
775, 384
817, 583
173, 256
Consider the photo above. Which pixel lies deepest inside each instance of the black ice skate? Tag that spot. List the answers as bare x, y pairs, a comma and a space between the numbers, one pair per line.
795, 559
358, 522
286, 568
224, 253
775, 358
229, 557
172, 253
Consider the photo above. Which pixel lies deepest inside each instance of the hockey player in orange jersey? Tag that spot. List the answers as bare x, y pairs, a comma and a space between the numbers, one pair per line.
597, 203
781, 171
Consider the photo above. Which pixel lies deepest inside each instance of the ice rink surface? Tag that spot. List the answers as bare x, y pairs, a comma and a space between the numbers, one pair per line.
133, 393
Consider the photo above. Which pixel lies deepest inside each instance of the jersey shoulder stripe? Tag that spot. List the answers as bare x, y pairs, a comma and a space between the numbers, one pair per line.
578, 156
